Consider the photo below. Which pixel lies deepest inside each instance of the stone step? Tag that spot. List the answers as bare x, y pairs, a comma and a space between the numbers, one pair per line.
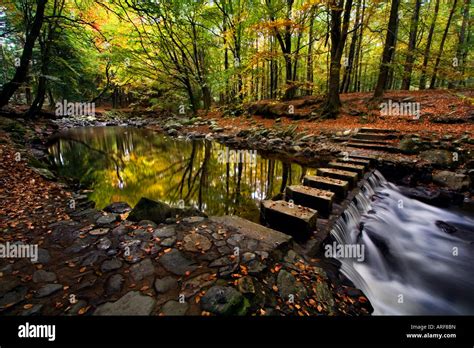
360, 162
297, 221
339, 187
375, 136
350, 177
365, 141
377, 147
355, 155
348, 166
269, 239
376, 130
320, 200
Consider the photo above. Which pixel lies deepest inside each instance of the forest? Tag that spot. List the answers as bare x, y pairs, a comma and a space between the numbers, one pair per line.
199, 54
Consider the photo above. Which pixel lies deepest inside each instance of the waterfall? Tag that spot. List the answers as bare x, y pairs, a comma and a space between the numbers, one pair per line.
418, 258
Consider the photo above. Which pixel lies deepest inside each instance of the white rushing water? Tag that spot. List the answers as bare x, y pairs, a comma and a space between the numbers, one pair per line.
419, 259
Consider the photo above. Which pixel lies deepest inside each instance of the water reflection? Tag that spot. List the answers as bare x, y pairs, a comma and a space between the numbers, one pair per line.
125, 164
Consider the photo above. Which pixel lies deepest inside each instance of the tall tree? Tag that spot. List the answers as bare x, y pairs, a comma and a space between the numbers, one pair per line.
22, 70
387, 54
410, 58
346, 80
429, 40
461, 49
338, 40
441, 45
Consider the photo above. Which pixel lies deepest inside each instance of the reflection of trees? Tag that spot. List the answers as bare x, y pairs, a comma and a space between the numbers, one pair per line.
164, 169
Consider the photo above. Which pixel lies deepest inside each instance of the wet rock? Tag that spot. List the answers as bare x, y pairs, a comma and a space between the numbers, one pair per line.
42, 276
165, 232
323, 294
43, 256
440, 158
165, 284
79, 245
147, 223
118, 208
222, 261
111, 265
286, 284
247, 257
132, 303
106, 219
33, 311
174, 308
193, 219
91, 258
246, 285
120, 230
168, 242
104, 243
99, 231
223, 300
142, 270
146, 209
176, 263
409, 145
47, 290
255, 267
87, 283
13, 297
114, 284
196, 242
76, 307
452, 180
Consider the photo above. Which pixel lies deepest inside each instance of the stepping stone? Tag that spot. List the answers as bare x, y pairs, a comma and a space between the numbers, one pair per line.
354, 156
174, 308
223, 300
142, 270
114, 284
360, 162
110, 265
348, 166
132, 303
165, 284
350, 177
270, 240
376, 130
377, 147
339, 187
320, 200
118, 208
42, 276
297, 221
106, 219
196, 242
375, 136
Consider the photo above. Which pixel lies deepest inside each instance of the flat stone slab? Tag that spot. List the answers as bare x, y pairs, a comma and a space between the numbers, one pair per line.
375, 136
291, 219
339, 187
358, 161
270, 238
175, 262
317, 199
350, 177
132, 303
376, 130
348, 166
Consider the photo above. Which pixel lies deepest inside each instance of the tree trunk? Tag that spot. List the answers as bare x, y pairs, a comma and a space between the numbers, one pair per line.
387, 50
441, 46
21, 72
309, 59
338, 39
411, 47
428, 47
462, 44
346, 80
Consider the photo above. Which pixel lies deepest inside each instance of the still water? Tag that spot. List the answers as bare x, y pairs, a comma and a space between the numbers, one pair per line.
125, 164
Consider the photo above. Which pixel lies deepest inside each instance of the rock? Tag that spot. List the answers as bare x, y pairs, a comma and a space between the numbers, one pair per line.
146, 209
114, 284
286, 284
99, 231
142, 269
111, 265
409, 145
118, 208
440, 158
247, 257
7, 286
42, 276
222, 261
106, 219
165, 284
193, 219
165, 232
120, 230
196, 242
147, 223
174, 308
255, 267
35, 310
43, 256
176, 263
223, 300
45, 173
13, 297
74, 310
323, 294
91, 258
246, 285
452, 180
168, 242
104, 243
132, 303
47, 290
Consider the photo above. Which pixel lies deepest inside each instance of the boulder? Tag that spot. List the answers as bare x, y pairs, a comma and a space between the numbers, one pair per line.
158, 212
452, 180
439, 158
